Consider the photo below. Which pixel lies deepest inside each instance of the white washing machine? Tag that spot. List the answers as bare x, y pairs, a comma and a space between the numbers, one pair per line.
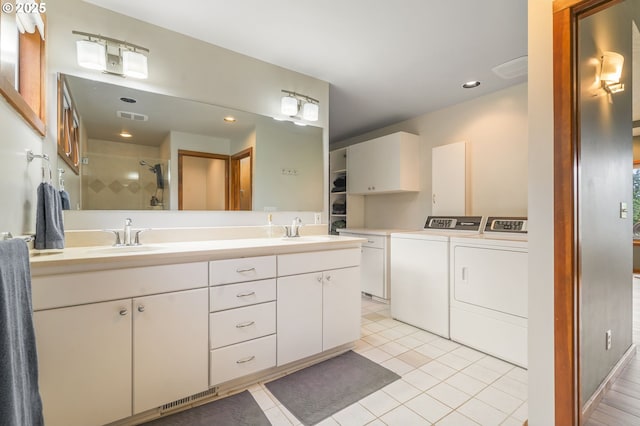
420, 271
489, 284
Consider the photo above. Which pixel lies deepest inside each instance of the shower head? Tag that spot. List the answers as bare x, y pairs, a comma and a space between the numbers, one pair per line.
149, 166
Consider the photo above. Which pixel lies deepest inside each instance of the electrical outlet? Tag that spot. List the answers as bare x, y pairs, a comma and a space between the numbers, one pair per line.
608, 335
317, 218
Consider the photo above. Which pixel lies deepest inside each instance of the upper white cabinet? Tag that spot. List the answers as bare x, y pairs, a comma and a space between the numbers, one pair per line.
384, 165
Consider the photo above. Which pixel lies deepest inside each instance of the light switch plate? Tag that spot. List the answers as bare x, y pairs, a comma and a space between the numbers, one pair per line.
623, 210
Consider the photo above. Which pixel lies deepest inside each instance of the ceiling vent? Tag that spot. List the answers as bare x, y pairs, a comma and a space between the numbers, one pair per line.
134, 116
512, 69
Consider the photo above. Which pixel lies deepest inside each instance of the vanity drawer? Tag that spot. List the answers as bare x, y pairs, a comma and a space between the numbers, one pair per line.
241, 324
54, 291
374, 241
301, 263
231, 296
240, 270
242, 359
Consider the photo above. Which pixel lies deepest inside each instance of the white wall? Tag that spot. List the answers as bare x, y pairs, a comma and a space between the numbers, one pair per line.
18, 179
541, 259
495, 130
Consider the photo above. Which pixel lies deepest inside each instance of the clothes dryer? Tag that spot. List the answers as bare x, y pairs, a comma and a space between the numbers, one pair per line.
489, 285
420, 271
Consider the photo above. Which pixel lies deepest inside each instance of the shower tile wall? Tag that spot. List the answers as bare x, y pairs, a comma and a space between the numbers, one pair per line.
113, 179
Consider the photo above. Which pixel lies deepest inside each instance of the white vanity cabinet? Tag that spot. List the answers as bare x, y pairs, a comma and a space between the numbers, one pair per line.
318, 302
100, 361
384, 165
242, 322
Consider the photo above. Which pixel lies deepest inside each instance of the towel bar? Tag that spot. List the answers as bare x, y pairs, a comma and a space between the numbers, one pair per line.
9, 236
31, 156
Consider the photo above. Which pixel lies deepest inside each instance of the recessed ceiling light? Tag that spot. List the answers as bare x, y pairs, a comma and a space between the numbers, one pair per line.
126, 135
297, 123
128, 100
471, 84
229, 119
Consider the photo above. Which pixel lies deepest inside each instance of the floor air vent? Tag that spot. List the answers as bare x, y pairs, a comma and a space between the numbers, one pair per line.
188, 400
134, 116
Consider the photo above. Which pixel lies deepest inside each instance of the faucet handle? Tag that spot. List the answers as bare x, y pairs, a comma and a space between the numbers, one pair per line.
118, 242
136, 241
127, 221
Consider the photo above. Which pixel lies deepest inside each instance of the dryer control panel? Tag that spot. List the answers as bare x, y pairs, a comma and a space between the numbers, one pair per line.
454, 223
506, 224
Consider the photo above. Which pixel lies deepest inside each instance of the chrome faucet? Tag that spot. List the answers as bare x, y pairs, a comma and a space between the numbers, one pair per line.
127, 232
294, 230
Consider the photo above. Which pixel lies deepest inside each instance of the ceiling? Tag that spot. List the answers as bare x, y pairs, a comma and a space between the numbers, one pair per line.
386, 61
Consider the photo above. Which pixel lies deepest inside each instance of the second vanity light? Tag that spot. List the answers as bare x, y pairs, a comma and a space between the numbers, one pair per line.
112, 56
292, 101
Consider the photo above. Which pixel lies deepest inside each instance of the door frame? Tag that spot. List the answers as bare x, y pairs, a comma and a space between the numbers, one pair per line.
182, 153
566, 13
235, 176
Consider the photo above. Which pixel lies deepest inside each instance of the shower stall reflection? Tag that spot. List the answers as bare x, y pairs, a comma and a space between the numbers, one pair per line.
117, 181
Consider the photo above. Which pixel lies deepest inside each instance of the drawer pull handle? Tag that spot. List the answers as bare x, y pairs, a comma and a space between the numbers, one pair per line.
245, 324
240, 271
140, 308
123, 311
246, 294
247, 359
370, 242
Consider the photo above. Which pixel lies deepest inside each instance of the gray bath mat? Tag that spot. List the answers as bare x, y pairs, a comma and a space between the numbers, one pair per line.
236, 410
319, 391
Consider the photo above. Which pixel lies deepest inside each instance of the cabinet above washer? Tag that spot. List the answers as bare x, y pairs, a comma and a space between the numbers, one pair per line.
384, 165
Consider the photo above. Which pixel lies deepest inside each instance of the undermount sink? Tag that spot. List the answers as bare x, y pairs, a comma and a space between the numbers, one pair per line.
125, 249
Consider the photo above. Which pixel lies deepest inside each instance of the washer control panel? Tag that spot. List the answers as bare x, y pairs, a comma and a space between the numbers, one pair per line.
455, 223
506, 224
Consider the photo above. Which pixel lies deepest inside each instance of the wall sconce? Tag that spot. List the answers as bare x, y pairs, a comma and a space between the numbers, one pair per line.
111, 56
611, 71
291, 103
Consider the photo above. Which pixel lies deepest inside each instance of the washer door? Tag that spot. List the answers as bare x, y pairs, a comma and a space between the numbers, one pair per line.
491, 278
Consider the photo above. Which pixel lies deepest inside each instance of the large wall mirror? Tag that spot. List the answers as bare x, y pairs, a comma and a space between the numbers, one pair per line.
130, 142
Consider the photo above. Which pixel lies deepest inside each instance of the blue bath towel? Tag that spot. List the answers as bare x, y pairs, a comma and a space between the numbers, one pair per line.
65, 200
20, 402
49, 224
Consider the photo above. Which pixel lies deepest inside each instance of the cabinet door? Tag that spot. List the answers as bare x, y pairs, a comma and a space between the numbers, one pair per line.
299, 317
448, 179
341, 307
372, 271
359, 168
170, 348
84, 359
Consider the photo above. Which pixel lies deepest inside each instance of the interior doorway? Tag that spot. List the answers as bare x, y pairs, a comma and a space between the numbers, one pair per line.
592, 143
241, 180
203, 181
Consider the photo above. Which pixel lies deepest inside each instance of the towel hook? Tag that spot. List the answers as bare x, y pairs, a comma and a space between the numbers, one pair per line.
31, 156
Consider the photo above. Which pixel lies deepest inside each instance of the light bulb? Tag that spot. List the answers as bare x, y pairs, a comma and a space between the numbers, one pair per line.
289, 106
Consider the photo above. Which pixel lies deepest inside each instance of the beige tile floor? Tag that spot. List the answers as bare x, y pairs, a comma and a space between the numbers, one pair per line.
443, 383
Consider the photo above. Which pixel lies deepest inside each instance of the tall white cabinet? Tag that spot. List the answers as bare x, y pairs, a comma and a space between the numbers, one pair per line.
448, 179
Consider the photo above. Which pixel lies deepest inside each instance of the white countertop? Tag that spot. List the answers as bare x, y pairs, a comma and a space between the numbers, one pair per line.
108, 257
371, 231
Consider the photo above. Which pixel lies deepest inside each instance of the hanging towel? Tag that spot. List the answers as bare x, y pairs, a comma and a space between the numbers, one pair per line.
65, 200
20, 402
49, 225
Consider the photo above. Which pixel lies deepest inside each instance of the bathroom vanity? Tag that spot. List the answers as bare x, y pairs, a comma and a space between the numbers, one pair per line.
127, 333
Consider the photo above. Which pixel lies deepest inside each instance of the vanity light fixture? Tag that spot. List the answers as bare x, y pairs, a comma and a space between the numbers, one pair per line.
229, 119
111, 56
611, 64
291, 103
